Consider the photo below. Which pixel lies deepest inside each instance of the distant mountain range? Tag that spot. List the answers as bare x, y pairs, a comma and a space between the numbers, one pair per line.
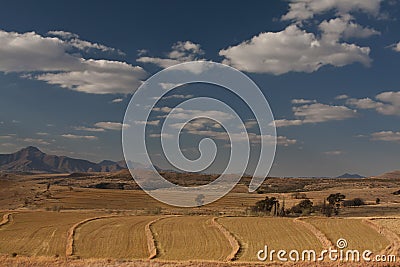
349, 175
31, 159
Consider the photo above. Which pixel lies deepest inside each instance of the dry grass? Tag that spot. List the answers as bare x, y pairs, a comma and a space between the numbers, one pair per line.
392, 224
190, 238
254, 233
358, 234
38, 233
116, 237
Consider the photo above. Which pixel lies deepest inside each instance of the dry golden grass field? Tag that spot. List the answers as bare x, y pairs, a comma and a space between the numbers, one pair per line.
39, 233
358, 234
254, 233
190, 238
393, 224
115, 237
87, 226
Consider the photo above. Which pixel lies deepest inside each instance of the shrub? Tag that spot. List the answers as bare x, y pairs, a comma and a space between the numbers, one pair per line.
355, 202
305, 207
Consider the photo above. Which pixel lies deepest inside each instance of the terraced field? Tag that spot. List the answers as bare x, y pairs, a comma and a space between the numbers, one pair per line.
357, 233
118, 237
391, 223
39, 233
190, 238
254, 233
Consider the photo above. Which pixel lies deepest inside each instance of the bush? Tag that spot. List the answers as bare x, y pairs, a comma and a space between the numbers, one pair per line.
355, 202
305, 207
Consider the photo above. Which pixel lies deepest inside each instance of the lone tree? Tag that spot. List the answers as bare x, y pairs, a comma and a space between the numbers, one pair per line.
267, 205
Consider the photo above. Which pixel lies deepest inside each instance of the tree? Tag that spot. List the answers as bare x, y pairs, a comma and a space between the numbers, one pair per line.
335, 201
267, 205
305, 207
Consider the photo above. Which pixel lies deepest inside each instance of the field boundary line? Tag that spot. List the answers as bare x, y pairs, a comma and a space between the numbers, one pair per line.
233, 241
322, 238
69, 250
393, 238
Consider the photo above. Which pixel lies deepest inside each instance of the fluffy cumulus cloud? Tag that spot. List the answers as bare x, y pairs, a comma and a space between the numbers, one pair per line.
292, 49
386, 103
180, 52
344, 28
51, 59
317, 113
388, 136
306, 9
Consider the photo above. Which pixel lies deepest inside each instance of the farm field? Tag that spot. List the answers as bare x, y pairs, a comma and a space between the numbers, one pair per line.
393, 224
190, 238
116, 237
254, 233
39, 233
357, 233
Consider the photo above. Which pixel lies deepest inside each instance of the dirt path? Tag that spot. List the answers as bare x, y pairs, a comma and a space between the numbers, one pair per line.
236, 247
69, 250
322, 238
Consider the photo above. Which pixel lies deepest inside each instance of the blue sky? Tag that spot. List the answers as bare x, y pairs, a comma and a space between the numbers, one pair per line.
329, 70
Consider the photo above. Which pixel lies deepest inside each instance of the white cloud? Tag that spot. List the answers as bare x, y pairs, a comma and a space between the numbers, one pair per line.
388, 136
340, 97
388, 103
306, 9
89, 129
303, 101
180, 52
98, 77
42, 133
63, 34
316, 113
185, 114
395, 47
153, 123
334, 153
107, 125
73, 40
49, 59
117, 100
167, 86
320, 113
37, 141
292, 49
344, 28
165, 135
73, 136
178, 96
284, 123
284, 141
